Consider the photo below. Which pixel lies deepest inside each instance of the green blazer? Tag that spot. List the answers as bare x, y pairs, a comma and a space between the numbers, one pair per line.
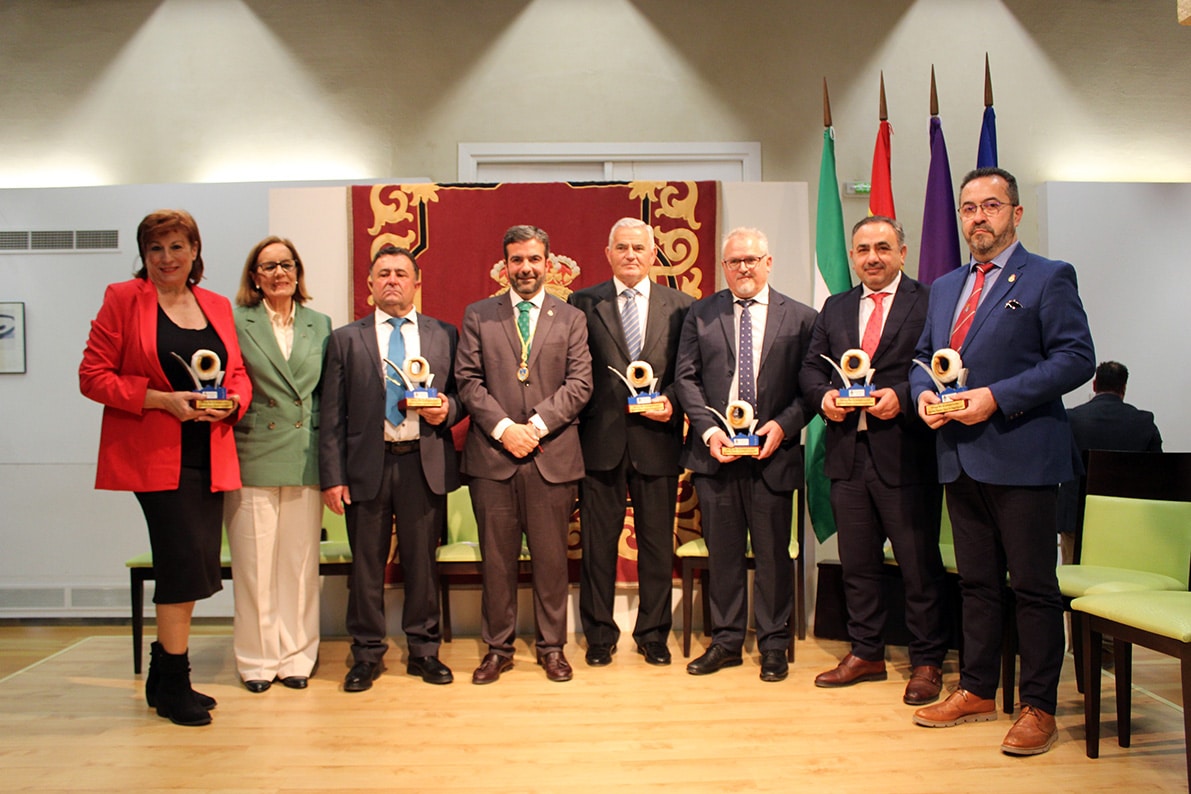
277, 439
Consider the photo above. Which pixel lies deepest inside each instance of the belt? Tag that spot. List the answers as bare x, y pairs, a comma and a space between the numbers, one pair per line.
401, 447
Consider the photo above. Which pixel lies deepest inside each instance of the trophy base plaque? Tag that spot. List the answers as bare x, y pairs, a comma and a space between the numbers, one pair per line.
856, 397
950, 401
421, 398
645, 404
742, 446
214, 398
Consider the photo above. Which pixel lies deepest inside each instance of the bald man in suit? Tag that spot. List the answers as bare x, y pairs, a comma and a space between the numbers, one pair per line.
524, 374
384, 468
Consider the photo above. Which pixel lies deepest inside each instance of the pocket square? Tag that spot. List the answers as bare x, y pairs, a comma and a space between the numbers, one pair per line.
1013, 304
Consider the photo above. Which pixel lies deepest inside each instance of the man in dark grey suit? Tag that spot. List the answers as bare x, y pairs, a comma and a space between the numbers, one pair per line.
524, 374
1104, 422
745, 344
629, 319
881, 462
386, 463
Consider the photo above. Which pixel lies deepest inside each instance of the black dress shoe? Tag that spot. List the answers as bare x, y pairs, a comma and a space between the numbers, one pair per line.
294, 681
655, 652
257, 685
361, 676
717, 658
430, 668
774, 666
600, 655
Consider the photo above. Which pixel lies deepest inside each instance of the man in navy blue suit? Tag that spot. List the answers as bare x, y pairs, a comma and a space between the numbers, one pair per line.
1020, 328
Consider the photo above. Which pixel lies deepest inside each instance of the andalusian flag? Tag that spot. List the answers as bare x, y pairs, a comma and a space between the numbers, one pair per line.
831, 276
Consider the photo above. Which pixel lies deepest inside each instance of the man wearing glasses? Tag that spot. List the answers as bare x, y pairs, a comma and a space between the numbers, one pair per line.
1020, 329
743, 346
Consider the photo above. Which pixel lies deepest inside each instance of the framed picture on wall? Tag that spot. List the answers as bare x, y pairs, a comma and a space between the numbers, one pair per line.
12, 338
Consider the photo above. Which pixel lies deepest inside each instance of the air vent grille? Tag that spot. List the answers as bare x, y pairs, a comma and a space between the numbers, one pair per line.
59, 241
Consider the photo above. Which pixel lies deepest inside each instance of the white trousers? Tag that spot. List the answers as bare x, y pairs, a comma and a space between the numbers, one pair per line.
274, 537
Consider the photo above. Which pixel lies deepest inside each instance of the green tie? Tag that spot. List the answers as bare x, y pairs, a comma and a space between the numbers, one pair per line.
523, 324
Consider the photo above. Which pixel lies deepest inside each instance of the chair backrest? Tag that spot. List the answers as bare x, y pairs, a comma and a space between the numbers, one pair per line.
461, 520
335, 526
1137, 512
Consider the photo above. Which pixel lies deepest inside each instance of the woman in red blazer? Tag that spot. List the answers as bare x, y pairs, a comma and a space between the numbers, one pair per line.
176, 457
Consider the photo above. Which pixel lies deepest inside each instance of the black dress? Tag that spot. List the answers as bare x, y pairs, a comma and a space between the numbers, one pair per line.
186, 524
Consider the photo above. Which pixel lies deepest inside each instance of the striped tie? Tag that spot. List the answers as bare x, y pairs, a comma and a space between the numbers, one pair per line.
968, 312
631, 322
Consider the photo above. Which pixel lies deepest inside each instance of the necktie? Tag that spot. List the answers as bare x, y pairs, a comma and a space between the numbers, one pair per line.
395, 392
631, 322
523, 308
872, 329
968, 312
747, 386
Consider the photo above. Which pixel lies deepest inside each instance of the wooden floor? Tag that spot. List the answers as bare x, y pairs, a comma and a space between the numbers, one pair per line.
73, 717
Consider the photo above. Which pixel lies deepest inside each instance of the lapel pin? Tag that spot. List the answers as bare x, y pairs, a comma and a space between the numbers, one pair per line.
1012, 277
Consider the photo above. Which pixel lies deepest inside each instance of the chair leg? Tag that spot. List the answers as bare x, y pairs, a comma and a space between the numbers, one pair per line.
1122, 653
688, 591
795, 623
1185, 663
445, 598
136, 576
1077, 620
1092, 642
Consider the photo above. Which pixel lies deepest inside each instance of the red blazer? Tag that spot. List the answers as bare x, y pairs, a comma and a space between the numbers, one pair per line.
141, 450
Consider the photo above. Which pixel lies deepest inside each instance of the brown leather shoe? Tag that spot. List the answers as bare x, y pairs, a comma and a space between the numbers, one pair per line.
926, 681
490, 668
1033, 733
556, 666
852, 670
960, 706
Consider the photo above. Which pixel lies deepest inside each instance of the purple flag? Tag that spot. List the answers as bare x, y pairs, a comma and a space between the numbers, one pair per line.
940, 232
986, 155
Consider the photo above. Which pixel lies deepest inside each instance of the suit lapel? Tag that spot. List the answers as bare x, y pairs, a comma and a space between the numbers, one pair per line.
903, 302
655, 324
258, 328
728, 323
851, 313
774, 317
299, 356
544, 327
996, 295
608, 312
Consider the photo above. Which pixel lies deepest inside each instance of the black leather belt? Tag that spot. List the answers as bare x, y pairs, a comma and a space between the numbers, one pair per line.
401, 447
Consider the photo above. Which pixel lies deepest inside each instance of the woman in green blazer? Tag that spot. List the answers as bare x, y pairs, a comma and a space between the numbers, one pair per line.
273, 522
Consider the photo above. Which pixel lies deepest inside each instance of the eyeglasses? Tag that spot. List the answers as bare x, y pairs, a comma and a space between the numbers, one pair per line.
991, 208
744, 262
286, 265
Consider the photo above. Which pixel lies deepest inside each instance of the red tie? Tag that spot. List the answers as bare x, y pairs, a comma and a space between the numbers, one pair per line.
968, 313
872, 329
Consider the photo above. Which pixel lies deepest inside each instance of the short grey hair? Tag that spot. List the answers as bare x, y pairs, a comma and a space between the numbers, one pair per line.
746, 231
632, 223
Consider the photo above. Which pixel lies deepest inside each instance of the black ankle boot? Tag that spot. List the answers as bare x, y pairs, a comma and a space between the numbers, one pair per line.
153, 680
175, 699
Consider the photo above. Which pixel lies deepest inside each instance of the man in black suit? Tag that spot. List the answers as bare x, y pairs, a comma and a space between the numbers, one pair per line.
386, 465
881, 462
745, 344
1104, 422
629, 319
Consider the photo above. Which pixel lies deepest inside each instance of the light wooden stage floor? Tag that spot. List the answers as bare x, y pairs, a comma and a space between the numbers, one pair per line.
77, 720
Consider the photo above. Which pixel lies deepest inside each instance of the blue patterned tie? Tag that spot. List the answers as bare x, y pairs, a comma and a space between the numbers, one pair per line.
631, 322
747, 387
395, 392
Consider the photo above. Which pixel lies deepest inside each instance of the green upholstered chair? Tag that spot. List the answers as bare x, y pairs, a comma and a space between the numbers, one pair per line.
1135, 532
692, 557
459, 556
334, 559
1159, 620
